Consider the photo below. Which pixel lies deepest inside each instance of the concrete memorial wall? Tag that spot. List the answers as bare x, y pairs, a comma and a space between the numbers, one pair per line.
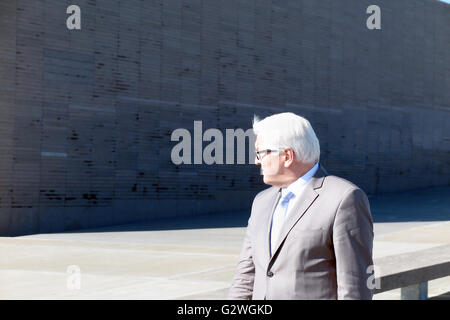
91, 95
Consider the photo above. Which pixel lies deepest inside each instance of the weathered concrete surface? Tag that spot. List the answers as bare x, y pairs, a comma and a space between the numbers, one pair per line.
191, 262
412, 268
171, 264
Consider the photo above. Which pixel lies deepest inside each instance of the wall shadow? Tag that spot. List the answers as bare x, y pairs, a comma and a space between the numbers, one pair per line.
205, 221
421, 205
430, 204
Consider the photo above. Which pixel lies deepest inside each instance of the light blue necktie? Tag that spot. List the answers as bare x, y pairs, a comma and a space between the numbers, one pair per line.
278, 219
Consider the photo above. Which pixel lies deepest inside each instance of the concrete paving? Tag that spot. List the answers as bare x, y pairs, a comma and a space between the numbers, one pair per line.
191, 258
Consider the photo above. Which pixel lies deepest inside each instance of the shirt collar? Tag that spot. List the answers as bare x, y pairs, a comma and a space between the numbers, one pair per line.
297, 186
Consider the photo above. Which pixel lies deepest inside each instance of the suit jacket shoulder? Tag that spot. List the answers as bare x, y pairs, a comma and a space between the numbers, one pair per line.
263, 200
338, 186
267, 192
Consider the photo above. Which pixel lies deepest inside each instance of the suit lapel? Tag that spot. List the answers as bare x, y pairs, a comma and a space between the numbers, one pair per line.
274, 203
307, 198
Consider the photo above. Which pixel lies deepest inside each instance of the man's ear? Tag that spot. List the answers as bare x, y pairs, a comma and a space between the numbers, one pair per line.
289, 157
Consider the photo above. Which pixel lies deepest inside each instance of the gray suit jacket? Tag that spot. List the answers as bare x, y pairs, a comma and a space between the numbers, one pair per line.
323, 252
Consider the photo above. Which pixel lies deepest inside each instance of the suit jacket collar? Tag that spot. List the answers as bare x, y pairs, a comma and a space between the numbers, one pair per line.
275, 197
319, 177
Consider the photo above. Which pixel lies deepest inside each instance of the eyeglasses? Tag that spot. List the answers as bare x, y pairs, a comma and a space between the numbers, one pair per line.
261, 153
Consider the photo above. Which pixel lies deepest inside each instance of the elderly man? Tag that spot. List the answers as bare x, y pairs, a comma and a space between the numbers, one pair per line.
310, 235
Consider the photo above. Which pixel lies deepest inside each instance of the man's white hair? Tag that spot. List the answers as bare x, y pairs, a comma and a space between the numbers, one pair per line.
289, 130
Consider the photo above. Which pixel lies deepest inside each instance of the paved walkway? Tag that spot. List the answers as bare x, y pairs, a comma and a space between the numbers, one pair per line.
191, 258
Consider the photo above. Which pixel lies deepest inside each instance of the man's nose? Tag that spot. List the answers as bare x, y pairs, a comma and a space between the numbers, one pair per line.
257, 161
